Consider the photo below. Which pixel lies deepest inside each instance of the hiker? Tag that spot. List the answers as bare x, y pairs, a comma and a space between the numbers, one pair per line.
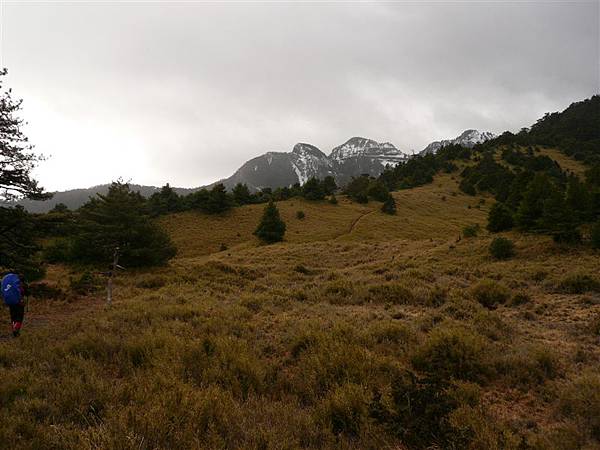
13, 293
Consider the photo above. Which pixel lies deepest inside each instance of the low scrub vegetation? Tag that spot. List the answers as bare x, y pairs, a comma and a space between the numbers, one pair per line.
358, 330
490, 294
502, 248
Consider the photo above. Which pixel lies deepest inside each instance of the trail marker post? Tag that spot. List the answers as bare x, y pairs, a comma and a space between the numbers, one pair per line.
113, 268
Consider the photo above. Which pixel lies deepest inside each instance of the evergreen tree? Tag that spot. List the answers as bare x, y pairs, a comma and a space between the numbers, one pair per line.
271, 228
60, 208
592, 175
218, 200
16, 157
558, 219
18, 248
241, 194
196, 200
389, 206
313, 189
329, 185
119, 219
378, 191
532, 206
467, 187
17, 160
164, 201
357, 189
578, 198
554, 215
499, 218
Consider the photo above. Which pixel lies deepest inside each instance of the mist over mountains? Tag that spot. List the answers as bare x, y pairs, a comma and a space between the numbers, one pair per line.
355, 157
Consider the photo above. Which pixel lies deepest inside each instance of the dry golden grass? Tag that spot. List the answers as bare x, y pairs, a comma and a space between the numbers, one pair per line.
291, 345
200, 234
564, 161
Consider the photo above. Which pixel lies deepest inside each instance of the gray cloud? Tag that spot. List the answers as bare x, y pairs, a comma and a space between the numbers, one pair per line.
186, 92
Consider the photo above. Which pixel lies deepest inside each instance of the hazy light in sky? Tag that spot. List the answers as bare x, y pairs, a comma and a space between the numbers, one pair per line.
186, 92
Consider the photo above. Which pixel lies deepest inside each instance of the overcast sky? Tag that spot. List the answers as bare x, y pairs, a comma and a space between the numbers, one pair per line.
187, 92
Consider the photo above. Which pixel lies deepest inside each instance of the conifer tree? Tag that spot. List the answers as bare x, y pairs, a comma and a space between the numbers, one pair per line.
241, 194
164, 201
17, 160
271, 228
218, 200
532, 205
578, 198
389, 206
499, 218
16, 157
313, 190
120, 219
329, 185
378, 191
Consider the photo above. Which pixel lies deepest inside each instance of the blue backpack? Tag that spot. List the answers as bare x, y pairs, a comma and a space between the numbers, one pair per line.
11, 289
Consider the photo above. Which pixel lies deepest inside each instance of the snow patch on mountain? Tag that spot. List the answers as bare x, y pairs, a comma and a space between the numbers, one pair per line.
468, 138
361, 147
308, 161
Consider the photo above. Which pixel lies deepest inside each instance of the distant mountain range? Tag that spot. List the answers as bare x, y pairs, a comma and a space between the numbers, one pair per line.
355, 157
468, 138
74, 198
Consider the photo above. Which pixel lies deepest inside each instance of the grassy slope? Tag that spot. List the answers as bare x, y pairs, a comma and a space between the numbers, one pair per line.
275, 346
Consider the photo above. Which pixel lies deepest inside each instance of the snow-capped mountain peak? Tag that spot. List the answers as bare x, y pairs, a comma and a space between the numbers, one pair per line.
472, 137
307, 149
468, 138
359, 146
308, 161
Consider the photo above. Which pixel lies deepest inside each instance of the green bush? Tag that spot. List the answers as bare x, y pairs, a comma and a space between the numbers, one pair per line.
389, 205
86, 283
422, 409
499, 218
502, 248
302, 269
594, 325
452, 353
471, 230
570, 236
226, 362
58, 251
580, 399
490, 294
345, 409
578, 283
520, 298
378, 191
528, 366
391, 293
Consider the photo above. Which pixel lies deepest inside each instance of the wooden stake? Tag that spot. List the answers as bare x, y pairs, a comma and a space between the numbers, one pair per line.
109, 284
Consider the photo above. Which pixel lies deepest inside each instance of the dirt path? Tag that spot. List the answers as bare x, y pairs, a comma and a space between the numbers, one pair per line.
354, 223
43, 313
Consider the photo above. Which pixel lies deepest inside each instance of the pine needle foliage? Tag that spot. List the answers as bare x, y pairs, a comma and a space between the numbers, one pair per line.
271, 228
